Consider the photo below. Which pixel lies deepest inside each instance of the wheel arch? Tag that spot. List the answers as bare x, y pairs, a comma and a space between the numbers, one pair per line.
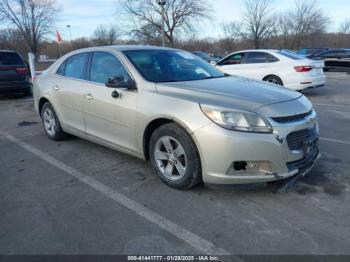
156, 123
41, 103
273, 75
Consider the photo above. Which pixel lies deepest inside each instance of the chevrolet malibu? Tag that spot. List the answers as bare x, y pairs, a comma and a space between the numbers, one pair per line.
192, 121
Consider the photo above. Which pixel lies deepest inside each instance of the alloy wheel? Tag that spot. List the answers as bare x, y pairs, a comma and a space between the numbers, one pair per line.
170, 158
273, 81
49, 122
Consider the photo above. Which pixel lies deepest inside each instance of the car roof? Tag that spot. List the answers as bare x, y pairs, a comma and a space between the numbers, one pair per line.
125, 48
258, 50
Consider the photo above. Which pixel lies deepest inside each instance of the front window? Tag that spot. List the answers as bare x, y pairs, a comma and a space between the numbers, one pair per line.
171, 66
105, 66
234, 59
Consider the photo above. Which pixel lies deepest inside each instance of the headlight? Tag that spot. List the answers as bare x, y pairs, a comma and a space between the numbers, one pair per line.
237, 120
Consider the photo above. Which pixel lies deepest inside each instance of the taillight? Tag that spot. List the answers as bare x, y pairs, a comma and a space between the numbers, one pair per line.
22, 70
303, 68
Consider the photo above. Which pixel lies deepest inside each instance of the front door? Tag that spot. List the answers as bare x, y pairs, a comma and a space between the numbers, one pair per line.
233, 65
110, 119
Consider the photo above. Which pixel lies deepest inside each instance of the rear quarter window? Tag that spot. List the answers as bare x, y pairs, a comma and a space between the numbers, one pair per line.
8, 58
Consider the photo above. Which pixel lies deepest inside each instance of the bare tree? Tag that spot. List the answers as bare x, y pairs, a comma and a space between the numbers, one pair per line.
343, 35
344, 27
33, 18
12, 39
284, 28
258, 21
306, 20
104, 35
179, 16
231, 30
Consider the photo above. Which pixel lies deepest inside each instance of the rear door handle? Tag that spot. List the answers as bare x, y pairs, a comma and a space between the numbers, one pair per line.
56, 88
89, 96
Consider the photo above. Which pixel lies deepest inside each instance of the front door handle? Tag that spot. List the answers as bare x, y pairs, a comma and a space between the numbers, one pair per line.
89, 96
56, 88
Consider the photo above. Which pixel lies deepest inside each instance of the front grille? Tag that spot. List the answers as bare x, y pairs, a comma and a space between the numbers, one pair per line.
293, 118
298, 140
305, 162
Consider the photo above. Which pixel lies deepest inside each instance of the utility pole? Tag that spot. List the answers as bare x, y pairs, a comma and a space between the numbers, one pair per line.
70, 34
162, 3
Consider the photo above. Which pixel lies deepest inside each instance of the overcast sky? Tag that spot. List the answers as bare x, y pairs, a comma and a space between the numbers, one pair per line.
85, 15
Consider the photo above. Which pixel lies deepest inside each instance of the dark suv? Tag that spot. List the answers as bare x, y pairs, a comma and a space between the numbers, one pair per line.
14, 74
336, 59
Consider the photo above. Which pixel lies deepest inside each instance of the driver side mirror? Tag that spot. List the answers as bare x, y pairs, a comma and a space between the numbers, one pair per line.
121, 82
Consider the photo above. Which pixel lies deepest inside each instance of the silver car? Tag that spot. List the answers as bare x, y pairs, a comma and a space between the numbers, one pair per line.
192, 121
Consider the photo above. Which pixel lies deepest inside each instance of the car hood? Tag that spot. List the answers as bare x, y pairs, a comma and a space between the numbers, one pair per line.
232, 92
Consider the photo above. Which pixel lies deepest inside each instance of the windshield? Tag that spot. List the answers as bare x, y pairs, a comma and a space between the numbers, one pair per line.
171, 66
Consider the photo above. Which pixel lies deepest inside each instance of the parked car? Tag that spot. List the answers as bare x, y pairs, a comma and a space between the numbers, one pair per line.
191, 120
215, 57
276, 66
336, 59
206, 57
14, 73
305, 52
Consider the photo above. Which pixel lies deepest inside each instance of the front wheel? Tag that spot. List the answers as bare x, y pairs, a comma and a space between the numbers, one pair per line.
175, 157
51, 124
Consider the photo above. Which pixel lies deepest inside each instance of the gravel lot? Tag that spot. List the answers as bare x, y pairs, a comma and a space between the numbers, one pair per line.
76, 197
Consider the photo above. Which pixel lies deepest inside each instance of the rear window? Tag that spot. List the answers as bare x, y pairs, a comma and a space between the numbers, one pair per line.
290, 54
7, 58
256, 58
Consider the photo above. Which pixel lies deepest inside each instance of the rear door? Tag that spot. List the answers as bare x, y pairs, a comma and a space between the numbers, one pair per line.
68, 88
257, 65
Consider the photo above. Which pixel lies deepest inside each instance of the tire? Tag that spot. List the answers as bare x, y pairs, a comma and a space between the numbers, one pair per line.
175, 157
51, 124
274, 80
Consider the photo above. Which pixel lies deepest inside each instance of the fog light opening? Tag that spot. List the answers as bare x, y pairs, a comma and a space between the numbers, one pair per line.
240, 165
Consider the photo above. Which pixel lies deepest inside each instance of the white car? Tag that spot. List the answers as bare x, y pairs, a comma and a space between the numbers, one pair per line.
280, 67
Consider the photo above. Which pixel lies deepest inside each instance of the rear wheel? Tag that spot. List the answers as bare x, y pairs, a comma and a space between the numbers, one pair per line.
274, 80
51, 123
174, 157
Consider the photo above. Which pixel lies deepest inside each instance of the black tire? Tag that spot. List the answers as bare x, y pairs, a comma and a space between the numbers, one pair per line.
193, 173
55, 133
274, 80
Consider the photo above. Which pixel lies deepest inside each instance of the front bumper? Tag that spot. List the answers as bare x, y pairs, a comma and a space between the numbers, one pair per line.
220, 148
